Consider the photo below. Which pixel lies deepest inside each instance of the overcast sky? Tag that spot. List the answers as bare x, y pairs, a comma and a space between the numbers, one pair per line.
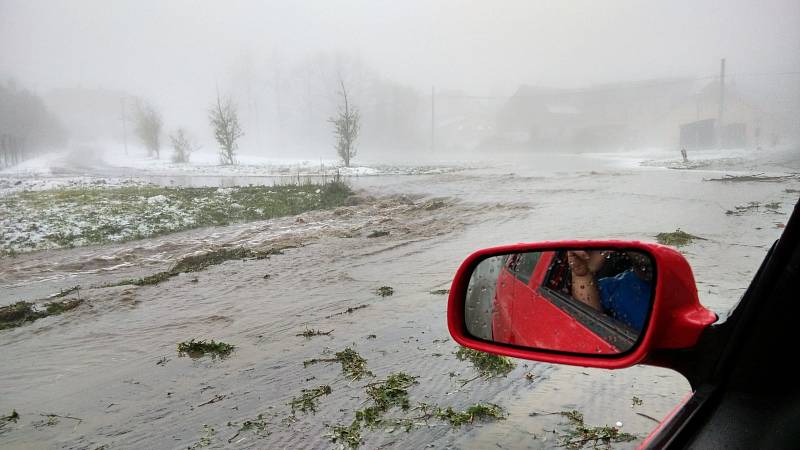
160, 47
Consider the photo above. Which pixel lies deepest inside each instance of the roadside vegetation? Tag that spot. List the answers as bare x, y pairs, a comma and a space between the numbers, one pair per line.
71, 217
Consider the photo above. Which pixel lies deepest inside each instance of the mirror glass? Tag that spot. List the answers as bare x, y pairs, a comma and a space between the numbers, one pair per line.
569, 300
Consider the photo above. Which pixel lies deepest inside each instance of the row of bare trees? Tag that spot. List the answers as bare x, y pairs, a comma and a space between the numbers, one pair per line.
224, 119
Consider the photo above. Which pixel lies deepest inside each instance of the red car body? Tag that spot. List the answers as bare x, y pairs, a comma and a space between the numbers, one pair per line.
524, 314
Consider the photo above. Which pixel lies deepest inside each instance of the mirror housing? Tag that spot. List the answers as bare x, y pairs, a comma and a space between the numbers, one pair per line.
676, 321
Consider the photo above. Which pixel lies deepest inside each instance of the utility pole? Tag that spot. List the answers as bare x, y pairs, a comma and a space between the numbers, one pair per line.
124, 125
433, 119
721, 112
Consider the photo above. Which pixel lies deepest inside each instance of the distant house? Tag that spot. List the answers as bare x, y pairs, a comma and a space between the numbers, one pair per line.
666, 113
743, 124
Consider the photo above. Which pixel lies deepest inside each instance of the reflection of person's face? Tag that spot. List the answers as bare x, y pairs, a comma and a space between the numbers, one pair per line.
641, 265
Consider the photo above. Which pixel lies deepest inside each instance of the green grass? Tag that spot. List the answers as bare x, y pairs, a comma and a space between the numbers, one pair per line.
71, 217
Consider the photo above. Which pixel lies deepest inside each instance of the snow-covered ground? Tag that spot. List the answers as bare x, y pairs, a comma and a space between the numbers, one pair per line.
102, 160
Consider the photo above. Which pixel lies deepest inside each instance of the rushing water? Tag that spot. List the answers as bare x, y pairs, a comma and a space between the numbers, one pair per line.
100, 362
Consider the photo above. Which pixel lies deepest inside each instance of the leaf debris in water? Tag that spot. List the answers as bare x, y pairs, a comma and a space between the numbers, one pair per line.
309, 333
487, 364
23, 312
196, 263
349, 310
478, 411
257, 425
197, 349
581, 435
309, 399
384, 291
353, 365
676, 238
347, 436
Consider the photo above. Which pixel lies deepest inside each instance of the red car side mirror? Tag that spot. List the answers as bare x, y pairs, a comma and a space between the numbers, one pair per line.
605, 304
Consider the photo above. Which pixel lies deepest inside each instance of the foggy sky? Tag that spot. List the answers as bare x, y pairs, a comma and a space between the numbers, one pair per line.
178, 52
161, 46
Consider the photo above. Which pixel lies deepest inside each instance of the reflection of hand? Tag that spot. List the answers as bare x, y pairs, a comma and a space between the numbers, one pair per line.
583, 263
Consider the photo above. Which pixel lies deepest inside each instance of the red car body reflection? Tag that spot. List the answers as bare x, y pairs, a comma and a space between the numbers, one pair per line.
523, 315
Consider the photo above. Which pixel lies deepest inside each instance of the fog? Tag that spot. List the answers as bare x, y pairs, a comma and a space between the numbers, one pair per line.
280, 62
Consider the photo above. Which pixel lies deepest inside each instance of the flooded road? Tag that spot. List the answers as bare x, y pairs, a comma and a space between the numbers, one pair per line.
108, 374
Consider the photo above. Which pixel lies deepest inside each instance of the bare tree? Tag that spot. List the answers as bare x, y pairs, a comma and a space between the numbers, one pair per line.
225, 121
346, 123
148, 126
182, 146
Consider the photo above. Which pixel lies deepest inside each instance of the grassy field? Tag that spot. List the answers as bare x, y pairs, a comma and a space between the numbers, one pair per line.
71, 217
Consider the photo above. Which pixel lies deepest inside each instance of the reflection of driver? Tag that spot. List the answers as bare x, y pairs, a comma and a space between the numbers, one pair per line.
625, 297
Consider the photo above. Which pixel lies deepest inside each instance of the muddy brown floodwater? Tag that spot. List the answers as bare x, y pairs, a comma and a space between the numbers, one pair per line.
108, 373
